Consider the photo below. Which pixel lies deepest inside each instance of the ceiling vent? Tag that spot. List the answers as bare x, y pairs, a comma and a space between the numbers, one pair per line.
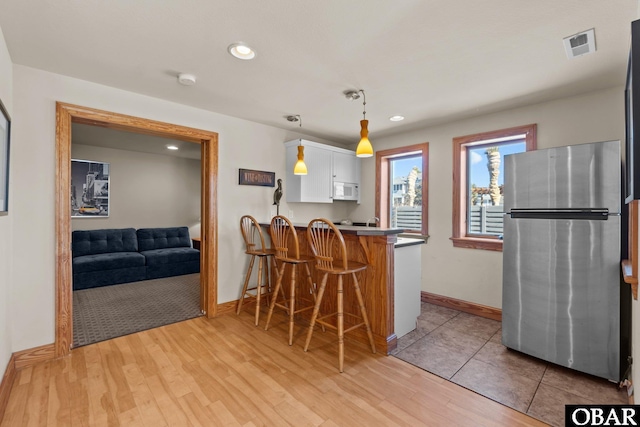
580, 44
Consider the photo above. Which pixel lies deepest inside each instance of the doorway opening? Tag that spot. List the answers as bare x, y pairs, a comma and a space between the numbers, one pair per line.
67, 114
126, 186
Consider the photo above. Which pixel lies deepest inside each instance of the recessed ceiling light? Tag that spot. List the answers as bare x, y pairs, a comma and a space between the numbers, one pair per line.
396, 118
241, 51
171, 147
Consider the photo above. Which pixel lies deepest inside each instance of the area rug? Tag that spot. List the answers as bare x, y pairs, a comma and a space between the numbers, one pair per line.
111, 311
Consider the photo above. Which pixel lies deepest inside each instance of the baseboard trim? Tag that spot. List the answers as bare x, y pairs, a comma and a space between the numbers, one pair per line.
6, 385
466, 306
34, 355
19, 360
227, 307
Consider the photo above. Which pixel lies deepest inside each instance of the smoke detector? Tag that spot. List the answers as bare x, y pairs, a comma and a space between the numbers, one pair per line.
580, 44
186, 79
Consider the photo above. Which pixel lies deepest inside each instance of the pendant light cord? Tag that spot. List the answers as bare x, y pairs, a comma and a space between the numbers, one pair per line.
364, 105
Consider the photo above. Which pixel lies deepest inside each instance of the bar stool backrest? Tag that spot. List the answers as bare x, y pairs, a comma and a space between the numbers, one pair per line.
281, 231
327, 245
252, 235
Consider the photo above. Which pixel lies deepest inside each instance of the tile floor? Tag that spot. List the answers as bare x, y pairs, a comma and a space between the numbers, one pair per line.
467, 350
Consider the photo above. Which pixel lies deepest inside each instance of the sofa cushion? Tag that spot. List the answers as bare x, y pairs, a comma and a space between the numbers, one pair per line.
110, 261
94, 279
112, 240
170, 256
160, 238
174, 269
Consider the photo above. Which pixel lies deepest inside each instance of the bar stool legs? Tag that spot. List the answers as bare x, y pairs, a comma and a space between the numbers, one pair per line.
290, 304
363, 312
340, 324
316, 309
260, 286
340, 316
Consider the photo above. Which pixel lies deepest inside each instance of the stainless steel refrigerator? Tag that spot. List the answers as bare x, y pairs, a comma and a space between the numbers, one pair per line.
561, 256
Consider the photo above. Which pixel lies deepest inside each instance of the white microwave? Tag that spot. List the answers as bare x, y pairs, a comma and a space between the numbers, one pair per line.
345, 191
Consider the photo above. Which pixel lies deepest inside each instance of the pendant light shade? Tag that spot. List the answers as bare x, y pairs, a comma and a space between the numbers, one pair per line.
300, 168
364, 149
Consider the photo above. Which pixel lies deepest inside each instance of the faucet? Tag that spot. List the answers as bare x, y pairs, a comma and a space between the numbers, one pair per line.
375, 219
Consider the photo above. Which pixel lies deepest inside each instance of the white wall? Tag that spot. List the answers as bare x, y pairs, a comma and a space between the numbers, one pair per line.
471, 274
145, 190
242, 144
6, 95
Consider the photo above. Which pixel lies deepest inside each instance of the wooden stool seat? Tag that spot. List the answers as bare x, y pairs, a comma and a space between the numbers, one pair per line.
255, 246
287, 251
330, 252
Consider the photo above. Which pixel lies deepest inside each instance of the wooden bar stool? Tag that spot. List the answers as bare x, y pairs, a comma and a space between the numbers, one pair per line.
282, 232
330, 253
252, 234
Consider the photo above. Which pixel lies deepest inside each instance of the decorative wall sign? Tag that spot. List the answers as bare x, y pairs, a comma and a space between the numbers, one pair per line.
89, 189
251, 177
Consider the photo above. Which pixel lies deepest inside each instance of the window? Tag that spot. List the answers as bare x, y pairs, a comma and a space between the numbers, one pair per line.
402, 188
478, 173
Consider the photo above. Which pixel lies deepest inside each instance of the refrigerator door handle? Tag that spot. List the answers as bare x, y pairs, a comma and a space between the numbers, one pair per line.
566, 213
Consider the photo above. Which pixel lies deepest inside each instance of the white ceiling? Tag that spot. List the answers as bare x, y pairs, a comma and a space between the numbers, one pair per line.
430, 60
122, 140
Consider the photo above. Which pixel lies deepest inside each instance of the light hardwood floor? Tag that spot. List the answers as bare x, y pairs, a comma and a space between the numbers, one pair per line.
225, 371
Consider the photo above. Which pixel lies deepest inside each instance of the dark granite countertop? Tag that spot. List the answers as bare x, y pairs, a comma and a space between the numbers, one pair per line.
368, 231
352, 229
408, 241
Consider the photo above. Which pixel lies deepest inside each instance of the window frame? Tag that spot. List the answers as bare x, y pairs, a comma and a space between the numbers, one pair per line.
383, 158
460, 237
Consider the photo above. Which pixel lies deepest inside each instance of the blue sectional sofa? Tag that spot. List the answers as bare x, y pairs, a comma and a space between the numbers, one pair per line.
168, 252
113, 256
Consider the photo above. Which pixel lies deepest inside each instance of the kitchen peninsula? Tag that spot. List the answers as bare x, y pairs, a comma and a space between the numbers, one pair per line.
373, 246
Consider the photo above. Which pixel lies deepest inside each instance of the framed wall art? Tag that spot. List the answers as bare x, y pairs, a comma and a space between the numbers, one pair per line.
89, 189
5, 134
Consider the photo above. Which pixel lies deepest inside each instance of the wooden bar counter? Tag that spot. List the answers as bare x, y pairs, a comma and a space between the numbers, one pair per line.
373, 246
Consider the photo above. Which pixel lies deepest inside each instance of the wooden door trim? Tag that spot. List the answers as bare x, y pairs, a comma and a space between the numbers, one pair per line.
67, 114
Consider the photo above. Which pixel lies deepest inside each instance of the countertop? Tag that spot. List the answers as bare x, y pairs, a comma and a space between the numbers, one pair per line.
408, 241
354, 229
368, 231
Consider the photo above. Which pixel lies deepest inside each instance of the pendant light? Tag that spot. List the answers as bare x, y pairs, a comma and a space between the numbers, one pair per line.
364, 148
300, 168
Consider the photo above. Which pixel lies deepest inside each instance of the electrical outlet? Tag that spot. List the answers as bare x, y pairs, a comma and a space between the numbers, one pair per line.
290, 214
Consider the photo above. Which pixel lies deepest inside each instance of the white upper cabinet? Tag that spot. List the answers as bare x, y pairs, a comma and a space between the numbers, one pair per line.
317, 185
325, 164
346, 167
